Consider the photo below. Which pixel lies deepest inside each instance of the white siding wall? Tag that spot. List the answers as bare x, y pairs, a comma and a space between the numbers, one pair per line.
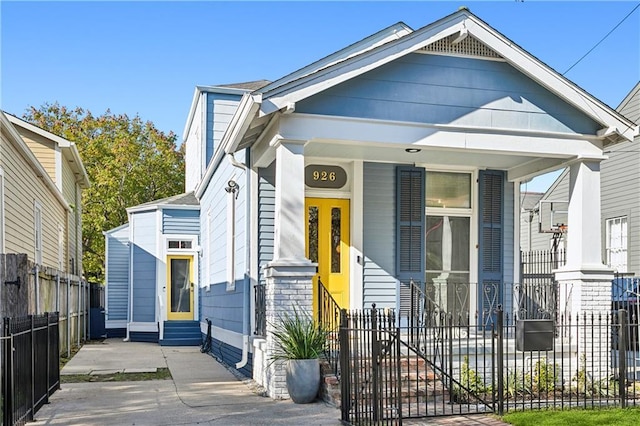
193, 153
214, 201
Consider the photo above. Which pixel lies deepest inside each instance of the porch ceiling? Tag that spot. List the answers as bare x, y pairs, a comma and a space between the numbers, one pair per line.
448, 158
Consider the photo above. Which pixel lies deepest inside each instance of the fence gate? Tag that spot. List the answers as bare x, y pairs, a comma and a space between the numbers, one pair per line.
370, 368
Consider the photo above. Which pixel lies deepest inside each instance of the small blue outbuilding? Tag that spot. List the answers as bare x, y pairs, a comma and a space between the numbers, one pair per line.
151, 271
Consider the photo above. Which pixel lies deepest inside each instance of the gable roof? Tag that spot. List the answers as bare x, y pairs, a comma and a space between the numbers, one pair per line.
285, 92
392, 32
68, 148
231, 89
15, 139
529, 200
631, 103
185, 200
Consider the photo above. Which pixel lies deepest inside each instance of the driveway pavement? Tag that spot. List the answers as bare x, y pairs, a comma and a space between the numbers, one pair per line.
202, 392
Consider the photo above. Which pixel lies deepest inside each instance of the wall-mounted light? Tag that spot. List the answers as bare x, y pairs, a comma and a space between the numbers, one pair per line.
232, 187
412, 150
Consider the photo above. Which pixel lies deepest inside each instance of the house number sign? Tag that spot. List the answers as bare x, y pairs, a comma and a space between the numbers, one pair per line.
323, 176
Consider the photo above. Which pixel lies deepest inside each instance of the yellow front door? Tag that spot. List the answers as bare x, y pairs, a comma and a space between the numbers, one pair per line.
179, 287
327, 237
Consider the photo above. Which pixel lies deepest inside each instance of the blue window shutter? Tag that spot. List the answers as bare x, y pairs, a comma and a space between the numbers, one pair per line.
410, 222
490, 274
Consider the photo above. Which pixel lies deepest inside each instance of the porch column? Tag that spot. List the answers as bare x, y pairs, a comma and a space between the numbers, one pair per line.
289, 276
584, 281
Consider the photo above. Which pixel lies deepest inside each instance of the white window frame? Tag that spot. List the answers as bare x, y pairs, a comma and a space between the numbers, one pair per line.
620, 249
460, 212
37, 232
1, 210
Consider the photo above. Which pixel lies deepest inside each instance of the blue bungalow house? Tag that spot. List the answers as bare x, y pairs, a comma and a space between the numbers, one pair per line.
393, 162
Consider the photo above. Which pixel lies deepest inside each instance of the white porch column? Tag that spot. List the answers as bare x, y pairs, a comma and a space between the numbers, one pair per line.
584, 281
289, 275
289, 209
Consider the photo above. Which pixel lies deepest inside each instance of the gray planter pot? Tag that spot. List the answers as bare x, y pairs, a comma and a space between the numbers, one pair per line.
303, 380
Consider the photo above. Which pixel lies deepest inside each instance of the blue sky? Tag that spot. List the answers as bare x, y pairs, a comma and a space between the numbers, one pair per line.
146, 57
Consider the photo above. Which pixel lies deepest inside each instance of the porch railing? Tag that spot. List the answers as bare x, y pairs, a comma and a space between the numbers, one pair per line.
329, 318
260, 312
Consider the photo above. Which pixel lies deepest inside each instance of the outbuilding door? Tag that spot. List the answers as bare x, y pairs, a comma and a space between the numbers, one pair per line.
180, 287
328, 244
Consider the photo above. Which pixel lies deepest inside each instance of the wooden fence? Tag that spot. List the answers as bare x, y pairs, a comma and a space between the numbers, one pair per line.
30, 289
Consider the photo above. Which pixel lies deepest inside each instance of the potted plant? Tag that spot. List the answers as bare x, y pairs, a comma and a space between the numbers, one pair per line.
300, 341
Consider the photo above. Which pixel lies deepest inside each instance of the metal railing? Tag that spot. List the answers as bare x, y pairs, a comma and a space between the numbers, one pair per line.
371, 366
587, 360
260, 311
329, 319
31, 369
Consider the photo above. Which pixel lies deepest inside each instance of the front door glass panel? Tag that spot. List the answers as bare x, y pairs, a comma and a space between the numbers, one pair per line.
180, 287
328, 245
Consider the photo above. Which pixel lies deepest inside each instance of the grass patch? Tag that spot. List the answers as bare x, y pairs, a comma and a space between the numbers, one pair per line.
582, 417
161, 374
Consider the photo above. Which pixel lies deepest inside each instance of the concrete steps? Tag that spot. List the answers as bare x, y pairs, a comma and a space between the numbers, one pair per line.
418, 383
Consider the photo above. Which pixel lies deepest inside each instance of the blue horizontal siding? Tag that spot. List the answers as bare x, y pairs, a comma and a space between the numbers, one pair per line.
220, 109
379, 235
224, 308
144, 285
438, 89
230, 355
178, 221
117, 266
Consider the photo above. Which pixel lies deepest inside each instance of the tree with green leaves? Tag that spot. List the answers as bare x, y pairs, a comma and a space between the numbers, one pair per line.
129, 162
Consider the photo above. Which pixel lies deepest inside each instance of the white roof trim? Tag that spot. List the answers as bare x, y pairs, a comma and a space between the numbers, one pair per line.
67, 147
629, 96
312, 84
196, 96
383, 36
247, 109
116, 229
161, 206
360, 64
28, 155
550, 79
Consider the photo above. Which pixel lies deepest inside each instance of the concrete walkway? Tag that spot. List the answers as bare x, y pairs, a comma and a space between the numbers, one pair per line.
202, 392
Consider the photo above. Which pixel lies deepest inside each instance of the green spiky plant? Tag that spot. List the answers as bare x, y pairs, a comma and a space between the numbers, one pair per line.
298, 336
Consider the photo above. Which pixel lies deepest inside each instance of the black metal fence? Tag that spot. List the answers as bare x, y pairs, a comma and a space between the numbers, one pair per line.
31, 365
392, 372
260, 311
370, 364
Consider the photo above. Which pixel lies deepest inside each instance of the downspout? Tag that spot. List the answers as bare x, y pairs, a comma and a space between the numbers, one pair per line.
246, 323
36, 276
130, 310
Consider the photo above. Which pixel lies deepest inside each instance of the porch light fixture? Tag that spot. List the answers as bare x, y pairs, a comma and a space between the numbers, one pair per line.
412, 150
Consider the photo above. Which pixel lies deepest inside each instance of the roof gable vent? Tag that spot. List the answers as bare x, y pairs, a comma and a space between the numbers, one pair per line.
469, 46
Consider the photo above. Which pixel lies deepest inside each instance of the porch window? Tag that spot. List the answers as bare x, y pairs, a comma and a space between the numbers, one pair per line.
448, 190
448, 239
616, 243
